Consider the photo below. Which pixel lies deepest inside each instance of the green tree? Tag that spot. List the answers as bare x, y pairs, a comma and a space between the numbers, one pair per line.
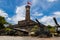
35, 28
51, 28
2, 22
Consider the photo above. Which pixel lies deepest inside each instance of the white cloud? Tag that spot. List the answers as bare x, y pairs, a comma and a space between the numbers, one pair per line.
37, 14
20, 14
56, 13
3, 14
44, 4
51, 0
34, 2
48, 20
9, 19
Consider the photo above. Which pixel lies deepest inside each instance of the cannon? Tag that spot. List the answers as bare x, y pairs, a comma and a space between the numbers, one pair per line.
57, 27
17, 32
42, 32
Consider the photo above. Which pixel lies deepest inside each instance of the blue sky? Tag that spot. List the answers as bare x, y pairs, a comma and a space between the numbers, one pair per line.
43, 10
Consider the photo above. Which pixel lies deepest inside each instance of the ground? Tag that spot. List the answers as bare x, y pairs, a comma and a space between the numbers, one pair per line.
26, 38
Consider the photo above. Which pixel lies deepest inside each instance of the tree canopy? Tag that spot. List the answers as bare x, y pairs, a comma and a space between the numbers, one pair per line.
2, 22
51, 28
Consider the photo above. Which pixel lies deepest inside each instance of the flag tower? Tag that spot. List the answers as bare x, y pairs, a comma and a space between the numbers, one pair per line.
27, 18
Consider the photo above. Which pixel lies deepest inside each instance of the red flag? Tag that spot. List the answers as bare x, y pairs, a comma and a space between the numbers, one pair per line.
29, 3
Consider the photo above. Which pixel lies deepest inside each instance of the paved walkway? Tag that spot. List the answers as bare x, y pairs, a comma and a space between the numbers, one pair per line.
26, 38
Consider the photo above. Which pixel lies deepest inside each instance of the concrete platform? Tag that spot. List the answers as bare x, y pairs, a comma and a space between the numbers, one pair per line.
26, 38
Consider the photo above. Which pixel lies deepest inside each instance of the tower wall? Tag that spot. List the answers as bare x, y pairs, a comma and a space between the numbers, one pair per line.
27, 18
